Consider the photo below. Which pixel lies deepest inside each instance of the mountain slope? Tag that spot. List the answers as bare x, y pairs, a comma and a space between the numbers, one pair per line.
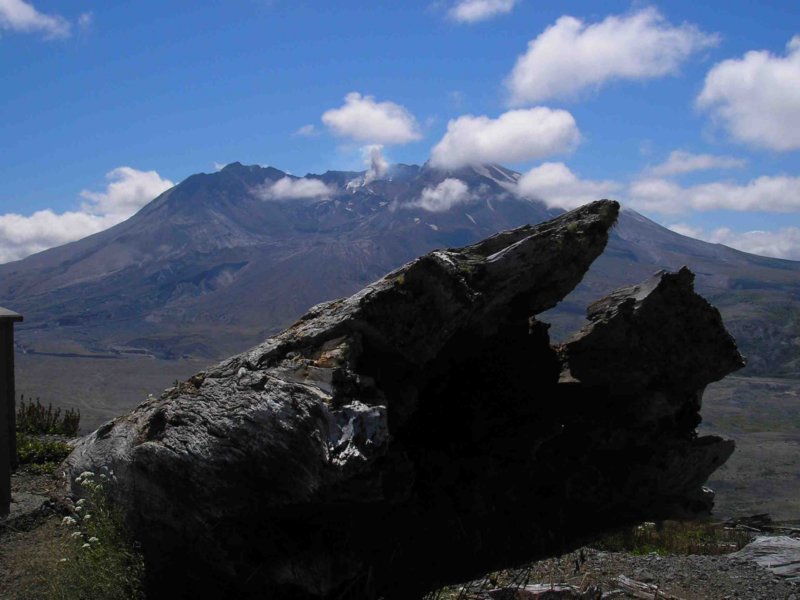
218, 262
759, 297
210, 266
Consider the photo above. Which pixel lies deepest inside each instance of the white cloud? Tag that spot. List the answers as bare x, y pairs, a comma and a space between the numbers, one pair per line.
25, 235
757, 97
363, 119
288, 188
515, 136
557, 186
680, 162
307, 131
472, 11
127, 191
447, 194
780, 243
571, 55
778, 193
20, 16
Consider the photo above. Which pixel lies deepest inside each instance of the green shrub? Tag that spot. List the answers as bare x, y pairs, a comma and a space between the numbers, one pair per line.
37, 451
36, 419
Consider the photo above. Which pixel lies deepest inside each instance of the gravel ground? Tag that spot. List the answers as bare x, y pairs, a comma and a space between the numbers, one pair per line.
692, 577
685, 577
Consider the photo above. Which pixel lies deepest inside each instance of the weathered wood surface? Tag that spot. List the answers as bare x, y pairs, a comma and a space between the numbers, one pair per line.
8, 440
423, 431
778, 553
645, 591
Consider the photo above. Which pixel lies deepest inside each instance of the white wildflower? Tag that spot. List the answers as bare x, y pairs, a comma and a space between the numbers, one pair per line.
87, 517
86, 546
78, 509
63, 560
93, 539
68, 521
75, 534
81, 502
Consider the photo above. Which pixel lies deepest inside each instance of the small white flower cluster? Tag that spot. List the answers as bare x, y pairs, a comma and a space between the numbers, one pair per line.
73, 520
81, 507
80, 515
86, 479
76, 535
84, 475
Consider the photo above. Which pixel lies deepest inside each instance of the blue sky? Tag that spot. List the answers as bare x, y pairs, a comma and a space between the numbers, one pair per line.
687, 111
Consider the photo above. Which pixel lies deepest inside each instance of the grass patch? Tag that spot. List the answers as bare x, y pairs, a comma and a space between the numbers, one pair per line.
88, 556
675, 537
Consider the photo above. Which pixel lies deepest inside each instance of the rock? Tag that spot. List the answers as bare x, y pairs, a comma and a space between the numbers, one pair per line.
780, 554
26, 510
424, 432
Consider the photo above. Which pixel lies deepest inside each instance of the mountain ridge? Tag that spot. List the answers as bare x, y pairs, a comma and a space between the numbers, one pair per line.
214, 265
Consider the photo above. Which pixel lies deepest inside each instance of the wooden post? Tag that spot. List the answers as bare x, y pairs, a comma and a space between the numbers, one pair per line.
8, 409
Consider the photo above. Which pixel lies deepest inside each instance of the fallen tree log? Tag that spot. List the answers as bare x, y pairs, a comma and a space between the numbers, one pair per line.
424, 431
